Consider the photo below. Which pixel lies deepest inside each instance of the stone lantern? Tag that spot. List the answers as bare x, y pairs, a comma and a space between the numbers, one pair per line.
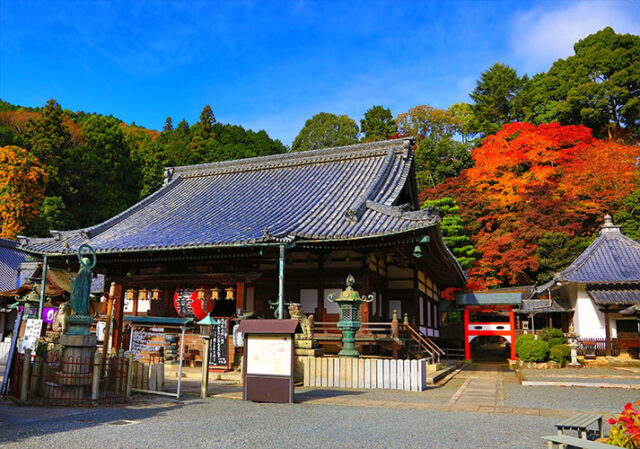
573, 345
349, 302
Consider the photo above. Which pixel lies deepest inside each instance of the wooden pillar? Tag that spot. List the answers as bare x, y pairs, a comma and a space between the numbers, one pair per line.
134, 311
513, 333
118, 313
240, 297
467, 348
320, 312
607, 330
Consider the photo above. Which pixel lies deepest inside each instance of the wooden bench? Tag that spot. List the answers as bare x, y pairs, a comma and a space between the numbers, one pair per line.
573, 442
581, 423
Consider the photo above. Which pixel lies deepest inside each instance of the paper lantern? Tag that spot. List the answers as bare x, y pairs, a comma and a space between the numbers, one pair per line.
187, 304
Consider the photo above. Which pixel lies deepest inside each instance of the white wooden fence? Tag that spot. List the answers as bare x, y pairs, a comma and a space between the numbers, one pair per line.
4, 352
408, 375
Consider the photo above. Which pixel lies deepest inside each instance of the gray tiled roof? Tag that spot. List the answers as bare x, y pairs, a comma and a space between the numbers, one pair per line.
615, 294
542, 306
489, 298
323, 195
10, 259
612, 257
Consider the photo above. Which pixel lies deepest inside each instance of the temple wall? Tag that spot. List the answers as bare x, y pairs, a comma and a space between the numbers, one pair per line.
588, 321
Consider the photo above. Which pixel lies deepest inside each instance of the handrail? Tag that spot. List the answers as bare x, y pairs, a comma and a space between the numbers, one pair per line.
426, 339
434, 351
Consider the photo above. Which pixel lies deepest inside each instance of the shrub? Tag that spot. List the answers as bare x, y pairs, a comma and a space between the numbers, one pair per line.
560, 353
522, 338
533, 350
548, 333
556, 341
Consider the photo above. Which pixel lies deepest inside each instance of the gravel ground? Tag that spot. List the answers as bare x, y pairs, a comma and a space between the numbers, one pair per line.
599, 380
569, 398
432, 395
221, 423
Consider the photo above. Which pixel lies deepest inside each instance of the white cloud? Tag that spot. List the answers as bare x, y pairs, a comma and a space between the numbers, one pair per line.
542, 35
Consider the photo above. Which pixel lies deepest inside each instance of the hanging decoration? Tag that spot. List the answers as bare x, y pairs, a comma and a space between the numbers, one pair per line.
189, 304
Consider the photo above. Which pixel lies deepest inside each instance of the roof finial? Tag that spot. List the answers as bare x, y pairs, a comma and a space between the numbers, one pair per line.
608, 225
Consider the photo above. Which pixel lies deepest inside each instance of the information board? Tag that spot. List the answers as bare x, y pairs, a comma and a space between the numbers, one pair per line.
219, 349
269, 354
31, 338
146, 341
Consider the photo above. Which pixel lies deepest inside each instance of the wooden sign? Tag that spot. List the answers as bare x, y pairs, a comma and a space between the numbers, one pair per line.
268, 362
219, 349
31, 338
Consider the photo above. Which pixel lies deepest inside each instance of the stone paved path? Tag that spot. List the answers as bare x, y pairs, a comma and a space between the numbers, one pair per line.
483, 386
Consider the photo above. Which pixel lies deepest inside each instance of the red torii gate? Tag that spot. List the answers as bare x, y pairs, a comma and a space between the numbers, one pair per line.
488, 302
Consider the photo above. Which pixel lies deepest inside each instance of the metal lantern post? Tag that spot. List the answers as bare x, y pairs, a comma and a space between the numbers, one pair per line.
349, 302
205, 332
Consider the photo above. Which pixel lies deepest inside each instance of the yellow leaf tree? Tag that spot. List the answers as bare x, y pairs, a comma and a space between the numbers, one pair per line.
22, 184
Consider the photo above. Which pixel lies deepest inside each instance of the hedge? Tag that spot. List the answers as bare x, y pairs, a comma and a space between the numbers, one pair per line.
532, 350
560, 353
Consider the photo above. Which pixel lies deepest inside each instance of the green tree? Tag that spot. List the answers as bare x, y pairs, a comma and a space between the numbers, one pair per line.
203, 136
452, 228
104, 179
438, 156
628, 218
462, 113
498, 98
326, 130
377, 124
555, 251
599, 87
53, 215
49, 140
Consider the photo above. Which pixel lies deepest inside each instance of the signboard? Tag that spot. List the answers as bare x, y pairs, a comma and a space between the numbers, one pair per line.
268, 362
100, 327
31, 338
269, 354
219, 349
7, 371
146, 340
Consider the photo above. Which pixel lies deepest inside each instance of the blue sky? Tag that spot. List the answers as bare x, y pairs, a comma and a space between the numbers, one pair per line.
272, 65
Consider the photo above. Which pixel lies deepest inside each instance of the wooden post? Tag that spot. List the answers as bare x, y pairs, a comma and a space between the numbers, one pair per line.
607, 330
467, 348
95, 385
240, 297
320, 314
129, 374
395, 333
118, 312
24, 384
107, 326
134, 310
513, 333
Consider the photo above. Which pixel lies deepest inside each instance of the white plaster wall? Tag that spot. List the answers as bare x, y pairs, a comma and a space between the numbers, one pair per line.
588, 321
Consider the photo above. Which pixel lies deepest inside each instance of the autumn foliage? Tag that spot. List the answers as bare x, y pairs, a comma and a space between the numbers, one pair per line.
529, 181
22, 185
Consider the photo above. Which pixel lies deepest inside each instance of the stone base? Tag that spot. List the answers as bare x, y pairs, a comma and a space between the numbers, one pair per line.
53, 390
575, 365
306, 343
314, 352
79, 325
78, 340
